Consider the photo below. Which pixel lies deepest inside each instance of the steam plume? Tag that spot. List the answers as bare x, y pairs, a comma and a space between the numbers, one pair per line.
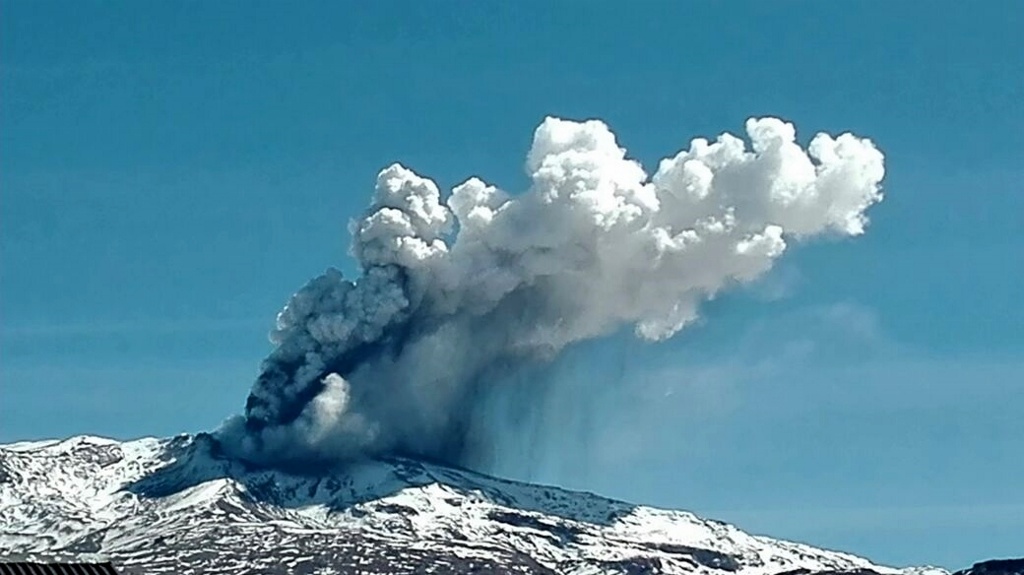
457, 291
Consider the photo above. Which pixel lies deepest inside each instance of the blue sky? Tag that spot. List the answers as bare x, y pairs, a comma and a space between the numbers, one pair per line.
171, 172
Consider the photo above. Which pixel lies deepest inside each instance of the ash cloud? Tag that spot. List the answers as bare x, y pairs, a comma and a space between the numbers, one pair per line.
459, 291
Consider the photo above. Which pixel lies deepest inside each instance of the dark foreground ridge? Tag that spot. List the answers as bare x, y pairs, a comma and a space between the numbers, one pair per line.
63, 568
995, 567
991, 567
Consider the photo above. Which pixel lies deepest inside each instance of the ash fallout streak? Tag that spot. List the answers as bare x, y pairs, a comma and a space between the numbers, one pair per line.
458, 292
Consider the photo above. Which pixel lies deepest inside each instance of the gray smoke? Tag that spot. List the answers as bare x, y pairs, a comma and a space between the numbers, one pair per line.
458, 292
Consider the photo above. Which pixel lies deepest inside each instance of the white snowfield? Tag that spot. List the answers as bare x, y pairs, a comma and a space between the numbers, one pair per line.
174, 506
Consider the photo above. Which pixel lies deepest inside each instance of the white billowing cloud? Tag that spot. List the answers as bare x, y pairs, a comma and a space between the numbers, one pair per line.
458, 291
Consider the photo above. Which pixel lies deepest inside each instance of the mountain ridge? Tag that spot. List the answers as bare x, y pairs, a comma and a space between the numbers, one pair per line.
177, 505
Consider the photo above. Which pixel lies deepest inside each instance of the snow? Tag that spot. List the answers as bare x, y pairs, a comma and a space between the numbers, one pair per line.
170, 504
19, 446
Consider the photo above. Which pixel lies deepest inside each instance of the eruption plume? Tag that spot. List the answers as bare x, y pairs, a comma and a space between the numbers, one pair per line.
456, 292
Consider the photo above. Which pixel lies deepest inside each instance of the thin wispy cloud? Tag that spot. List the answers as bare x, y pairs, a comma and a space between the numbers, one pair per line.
155, 327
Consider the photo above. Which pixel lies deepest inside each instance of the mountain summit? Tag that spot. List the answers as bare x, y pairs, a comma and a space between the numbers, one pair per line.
178, 506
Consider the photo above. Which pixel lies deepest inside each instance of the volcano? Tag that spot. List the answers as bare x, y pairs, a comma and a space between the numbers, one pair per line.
180, 505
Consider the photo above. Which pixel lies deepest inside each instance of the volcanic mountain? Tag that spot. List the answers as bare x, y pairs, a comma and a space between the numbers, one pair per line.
179, 505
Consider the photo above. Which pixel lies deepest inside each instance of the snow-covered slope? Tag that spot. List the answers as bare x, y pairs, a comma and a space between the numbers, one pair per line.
175, 506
